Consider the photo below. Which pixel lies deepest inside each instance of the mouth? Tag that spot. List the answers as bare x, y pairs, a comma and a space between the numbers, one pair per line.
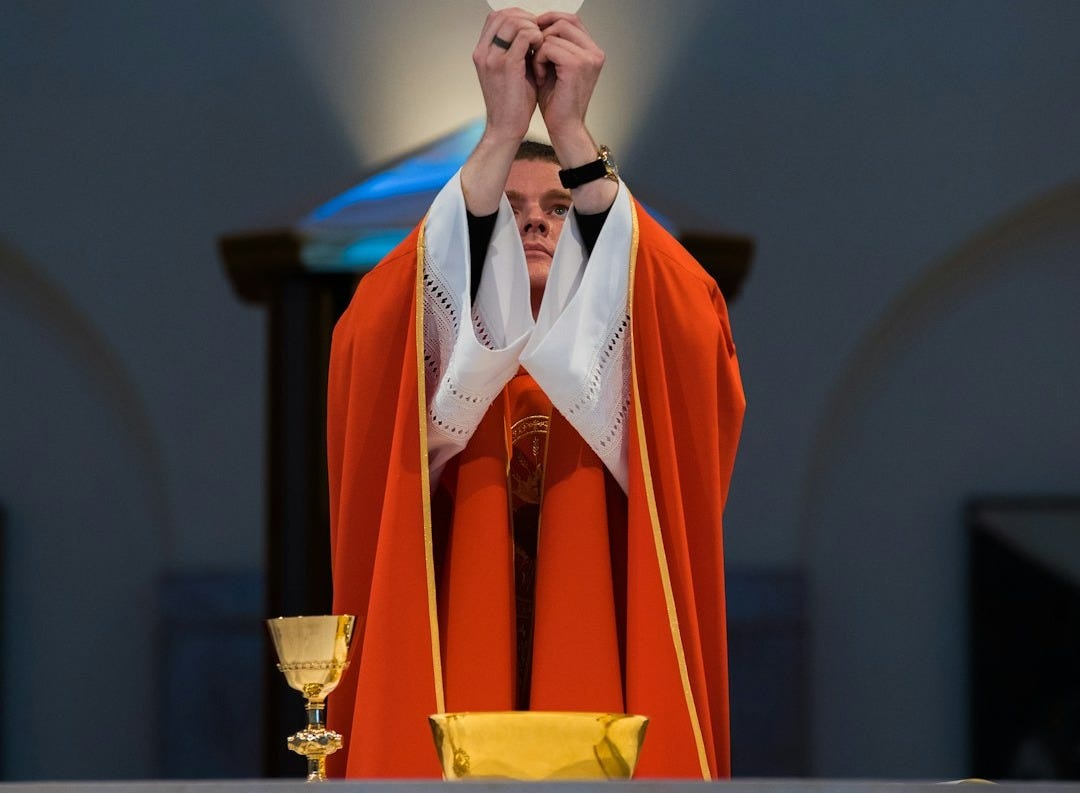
536, 249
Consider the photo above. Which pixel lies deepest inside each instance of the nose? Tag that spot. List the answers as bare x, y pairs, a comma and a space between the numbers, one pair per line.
532, 219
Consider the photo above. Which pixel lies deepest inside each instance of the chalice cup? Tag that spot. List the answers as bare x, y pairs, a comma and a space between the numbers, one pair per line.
313, 653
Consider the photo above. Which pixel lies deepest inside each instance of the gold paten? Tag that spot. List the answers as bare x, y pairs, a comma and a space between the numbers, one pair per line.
313, 653
537, 745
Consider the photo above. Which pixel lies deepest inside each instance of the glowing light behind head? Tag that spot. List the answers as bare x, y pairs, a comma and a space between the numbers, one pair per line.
395, 74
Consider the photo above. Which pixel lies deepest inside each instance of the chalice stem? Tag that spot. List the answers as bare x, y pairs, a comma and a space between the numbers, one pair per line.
316, 722
316, 715
315, 742
316, 769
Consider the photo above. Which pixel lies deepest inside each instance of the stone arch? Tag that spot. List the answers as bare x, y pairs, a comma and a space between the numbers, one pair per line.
88, 529
48, 305
963, 385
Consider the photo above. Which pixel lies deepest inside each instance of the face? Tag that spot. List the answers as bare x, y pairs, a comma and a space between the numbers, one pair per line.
540, 205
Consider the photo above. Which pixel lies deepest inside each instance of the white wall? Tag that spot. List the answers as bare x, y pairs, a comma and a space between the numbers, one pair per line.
867, 147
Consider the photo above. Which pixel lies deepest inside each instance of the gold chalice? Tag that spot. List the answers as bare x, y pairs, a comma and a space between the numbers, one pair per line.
313, 653
537, 745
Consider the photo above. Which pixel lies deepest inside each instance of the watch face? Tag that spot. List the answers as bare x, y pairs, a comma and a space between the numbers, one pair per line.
538, 6
609, 162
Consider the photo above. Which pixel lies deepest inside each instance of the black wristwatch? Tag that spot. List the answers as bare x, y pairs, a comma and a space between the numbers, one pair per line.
603, 167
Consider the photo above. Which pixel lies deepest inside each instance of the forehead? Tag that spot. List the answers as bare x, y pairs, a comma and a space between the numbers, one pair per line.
533, 178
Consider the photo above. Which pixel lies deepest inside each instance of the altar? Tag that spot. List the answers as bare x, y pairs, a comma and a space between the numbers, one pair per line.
730, 786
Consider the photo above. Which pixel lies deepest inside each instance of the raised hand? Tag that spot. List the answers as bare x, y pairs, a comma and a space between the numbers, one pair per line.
502, 60
566, 66
504, 67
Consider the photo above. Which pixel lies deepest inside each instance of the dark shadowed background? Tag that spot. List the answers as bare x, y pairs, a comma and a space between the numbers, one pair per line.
908, 335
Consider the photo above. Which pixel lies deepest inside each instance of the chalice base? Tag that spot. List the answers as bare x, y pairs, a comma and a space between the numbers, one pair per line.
315, 745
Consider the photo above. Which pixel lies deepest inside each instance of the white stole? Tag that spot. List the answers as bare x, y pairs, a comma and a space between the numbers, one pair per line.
577, 350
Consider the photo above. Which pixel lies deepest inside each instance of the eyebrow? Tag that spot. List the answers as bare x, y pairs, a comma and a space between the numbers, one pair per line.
550, 195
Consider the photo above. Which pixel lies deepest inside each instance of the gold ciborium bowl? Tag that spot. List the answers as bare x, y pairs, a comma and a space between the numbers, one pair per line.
537, 745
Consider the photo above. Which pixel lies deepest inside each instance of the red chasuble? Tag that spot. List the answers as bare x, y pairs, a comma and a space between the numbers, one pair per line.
628, 614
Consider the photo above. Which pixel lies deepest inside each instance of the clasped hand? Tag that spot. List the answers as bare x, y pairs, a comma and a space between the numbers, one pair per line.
551, 63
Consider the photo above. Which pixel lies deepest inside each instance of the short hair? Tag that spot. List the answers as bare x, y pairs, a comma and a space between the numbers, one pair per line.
535, 150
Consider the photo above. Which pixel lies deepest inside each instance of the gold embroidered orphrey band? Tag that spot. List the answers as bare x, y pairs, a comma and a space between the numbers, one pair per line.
528, 439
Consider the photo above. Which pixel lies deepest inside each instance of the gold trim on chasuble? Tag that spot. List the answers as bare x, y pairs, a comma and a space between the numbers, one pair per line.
525, 468
425, 475
654, 519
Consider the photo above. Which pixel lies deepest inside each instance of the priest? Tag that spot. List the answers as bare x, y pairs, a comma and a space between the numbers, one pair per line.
534, 406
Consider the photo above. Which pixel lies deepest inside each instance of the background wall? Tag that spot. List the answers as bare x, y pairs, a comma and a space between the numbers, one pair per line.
908, 334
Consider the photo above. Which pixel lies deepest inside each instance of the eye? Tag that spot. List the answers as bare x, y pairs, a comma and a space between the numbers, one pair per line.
560, 210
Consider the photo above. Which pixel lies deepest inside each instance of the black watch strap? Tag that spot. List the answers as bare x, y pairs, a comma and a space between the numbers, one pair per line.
583, 174
603, 167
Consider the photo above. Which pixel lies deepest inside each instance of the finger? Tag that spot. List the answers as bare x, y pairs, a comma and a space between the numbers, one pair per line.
526, 39
554, 52
549, 18
514, 38
513, 49
510, 43
495, 18
507, 20
540, 61
566, 54
569, 30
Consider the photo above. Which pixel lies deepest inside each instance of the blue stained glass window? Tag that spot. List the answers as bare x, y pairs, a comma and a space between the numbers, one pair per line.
426, 170
357, 228
371, 249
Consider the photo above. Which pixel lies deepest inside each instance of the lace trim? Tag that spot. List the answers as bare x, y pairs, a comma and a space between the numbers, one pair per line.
480, 326
440, 323
602, 406
456, 411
